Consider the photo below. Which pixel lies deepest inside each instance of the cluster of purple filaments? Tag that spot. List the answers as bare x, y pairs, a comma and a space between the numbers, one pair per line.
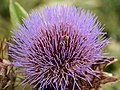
58, 46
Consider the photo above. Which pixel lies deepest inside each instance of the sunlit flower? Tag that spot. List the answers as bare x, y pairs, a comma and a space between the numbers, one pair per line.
60, 47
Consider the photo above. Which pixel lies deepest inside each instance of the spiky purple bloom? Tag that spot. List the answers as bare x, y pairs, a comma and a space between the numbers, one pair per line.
60, 47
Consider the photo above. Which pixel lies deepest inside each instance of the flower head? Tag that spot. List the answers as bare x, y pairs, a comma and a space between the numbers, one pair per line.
60, 47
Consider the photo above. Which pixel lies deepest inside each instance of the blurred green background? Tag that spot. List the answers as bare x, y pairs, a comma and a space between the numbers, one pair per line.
108, 12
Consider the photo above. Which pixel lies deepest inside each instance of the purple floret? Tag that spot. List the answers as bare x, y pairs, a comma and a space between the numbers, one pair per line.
58, 47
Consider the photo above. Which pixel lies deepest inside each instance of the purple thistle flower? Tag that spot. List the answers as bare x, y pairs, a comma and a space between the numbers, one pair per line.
60, 47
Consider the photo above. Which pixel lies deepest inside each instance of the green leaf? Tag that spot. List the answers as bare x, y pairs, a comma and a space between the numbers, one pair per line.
13, 15
21, 13
17, 12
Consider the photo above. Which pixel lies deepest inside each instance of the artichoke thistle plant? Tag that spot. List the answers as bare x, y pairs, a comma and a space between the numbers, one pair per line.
61, 48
